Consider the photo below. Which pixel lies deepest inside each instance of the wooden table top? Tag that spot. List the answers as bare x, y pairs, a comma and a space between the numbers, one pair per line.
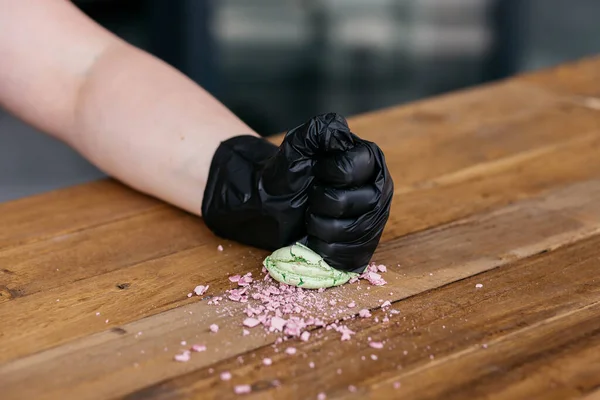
492, 249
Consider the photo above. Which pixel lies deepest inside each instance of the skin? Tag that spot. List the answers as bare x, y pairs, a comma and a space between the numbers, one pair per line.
132, 115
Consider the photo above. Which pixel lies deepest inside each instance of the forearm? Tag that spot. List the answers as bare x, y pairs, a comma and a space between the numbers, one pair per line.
146, 124
132, 115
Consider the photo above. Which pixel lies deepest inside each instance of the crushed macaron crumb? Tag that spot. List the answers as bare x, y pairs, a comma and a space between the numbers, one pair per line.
183, 357
225, 376
198, 348
292, 311
242, 389
200, 290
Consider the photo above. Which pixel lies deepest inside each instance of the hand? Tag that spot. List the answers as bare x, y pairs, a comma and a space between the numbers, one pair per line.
349, 203
321, 177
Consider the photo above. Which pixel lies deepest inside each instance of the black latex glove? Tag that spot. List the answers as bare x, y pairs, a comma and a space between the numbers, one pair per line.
323, 186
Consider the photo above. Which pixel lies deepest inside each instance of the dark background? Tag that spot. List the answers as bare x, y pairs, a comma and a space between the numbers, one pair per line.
276, 63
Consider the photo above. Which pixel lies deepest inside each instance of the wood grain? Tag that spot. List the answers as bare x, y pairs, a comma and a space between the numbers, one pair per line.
532, 331
48, 264
577, 79
68, 210
428, 260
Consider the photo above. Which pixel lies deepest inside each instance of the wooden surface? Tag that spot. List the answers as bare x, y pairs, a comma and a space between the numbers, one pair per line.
497, 185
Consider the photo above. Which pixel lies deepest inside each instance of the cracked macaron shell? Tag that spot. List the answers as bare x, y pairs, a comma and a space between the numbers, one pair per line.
298, 265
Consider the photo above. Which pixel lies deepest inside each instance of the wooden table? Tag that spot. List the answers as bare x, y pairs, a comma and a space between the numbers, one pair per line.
496, 186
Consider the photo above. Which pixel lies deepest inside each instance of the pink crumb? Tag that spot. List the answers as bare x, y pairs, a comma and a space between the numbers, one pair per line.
245, 332
382, 268
479, 286
200, 290
311, 364
267, 361
352, 389
290, 350
225, 376
321, 396
183, 342
373, 357
183, 357
251, 322
220, 248
242, 389
198, 348
374, 278
396, 385
189, 294
214, 328
345, 331
386, 303
245, 280
364, 313
332, 302
305, 336
234, 278
351, 304
278, 323
376, 345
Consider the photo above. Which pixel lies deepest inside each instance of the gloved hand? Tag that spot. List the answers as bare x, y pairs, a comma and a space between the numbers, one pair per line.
323, 186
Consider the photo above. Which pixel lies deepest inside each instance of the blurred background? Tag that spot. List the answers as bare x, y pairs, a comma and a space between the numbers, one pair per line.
276, 63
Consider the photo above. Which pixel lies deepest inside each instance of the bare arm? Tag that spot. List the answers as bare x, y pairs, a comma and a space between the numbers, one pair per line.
132, 115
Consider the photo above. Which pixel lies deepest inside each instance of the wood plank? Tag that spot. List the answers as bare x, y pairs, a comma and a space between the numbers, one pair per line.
428, 260
419, 151
592, 396
449, 133
67, 211
48, 264
557, 359
578, 79
532, 331
492, 185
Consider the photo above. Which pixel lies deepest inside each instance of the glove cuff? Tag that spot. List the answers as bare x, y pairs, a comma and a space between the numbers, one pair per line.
230, 195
